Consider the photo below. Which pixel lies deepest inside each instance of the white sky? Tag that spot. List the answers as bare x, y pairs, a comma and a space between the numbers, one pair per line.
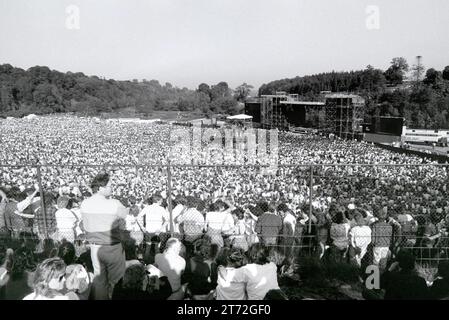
187, 42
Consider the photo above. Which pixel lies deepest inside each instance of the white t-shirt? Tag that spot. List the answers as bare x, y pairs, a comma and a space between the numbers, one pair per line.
220, 221
260, 279
65, 219
156, 218
360, 236
231, 284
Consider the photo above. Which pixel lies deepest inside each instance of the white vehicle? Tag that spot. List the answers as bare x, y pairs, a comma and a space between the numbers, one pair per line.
423, 136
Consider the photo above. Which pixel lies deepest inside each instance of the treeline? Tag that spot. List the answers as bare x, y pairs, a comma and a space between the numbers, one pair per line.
40, 90
423, 99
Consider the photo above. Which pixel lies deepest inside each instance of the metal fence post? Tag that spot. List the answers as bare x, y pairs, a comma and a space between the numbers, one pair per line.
310, 199
169, 194
43, 208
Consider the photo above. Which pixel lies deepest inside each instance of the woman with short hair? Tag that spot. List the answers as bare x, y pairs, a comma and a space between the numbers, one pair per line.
49, 280
231, 277
260, 273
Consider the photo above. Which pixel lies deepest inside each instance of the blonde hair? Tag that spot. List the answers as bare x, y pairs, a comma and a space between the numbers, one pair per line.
46, 271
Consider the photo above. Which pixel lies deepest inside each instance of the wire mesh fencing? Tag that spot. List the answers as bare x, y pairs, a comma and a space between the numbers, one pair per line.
329, 208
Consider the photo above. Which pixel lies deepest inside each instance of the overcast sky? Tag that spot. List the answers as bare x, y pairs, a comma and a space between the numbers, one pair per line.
186, 42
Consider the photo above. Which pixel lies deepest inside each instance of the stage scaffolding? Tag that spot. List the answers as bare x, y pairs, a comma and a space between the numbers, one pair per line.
341, 114
344, 114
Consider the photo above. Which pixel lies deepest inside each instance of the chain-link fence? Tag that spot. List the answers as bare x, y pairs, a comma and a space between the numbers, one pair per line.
344, 212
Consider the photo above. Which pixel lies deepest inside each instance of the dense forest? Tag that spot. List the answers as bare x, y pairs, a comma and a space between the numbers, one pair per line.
421, 96
40, 90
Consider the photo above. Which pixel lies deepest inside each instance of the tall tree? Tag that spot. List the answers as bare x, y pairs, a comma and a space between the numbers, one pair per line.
395, 73
220, 90
432, 77
446, 73
242, 92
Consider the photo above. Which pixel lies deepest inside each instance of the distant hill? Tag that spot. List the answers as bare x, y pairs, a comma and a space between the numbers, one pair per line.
40, 90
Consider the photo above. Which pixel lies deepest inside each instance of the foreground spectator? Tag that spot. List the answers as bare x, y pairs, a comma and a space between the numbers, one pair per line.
134, 284
440, 287
401, 281
49, 280
199, 276
382, 233
260, 273
231, 277
104, 220
360, 238
78, 282
173, 266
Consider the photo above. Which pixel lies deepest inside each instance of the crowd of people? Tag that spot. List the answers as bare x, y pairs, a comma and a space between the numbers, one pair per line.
220, 226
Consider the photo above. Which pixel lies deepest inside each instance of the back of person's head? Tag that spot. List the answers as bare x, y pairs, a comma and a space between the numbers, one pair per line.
381, 214
180, 200
191, 202
155, 198
443, 269
339, 217
21, 196
236, 258
239, 213
173, 245
230, 257
49, 277
131, 200
155, 239
14, 193
406, 260
256, 210
77, 278
264, 206
221, 205
100, 180
214, 207
282, 207
23, 260
358, 216
259, 254
201, 249
62, 202
134, 277
66, 252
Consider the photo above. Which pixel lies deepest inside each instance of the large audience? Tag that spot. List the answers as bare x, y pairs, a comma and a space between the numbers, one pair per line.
223, 227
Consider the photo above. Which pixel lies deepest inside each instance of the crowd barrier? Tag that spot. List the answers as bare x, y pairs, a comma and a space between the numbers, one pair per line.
416, 189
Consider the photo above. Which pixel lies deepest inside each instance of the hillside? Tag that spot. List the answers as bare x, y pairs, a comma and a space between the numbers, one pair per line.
41, 90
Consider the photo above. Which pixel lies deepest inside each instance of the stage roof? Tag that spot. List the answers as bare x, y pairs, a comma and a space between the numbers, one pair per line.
239, 117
